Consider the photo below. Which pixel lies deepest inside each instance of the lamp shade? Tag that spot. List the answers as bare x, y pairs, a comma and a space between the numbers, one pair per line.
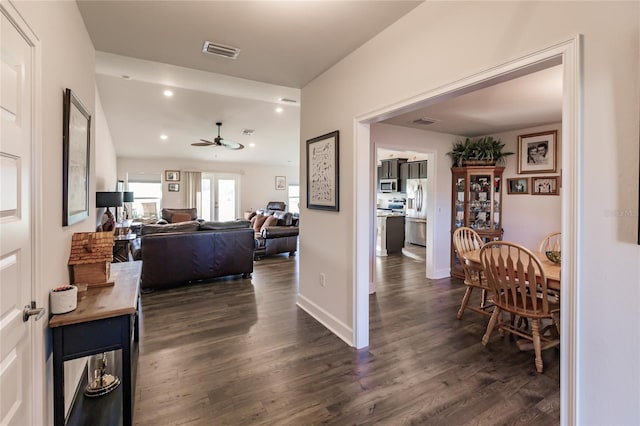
127, 197
108, 199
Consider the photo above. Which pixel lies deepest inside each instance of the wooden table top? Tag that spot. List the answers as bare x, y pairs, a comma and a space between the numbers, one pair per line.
107, 302
551, 270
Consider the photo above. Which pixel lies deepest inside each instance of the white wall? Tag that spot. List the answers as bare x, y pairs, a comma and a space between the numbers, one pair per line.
527, 218
257, 182
68, 61
440, 42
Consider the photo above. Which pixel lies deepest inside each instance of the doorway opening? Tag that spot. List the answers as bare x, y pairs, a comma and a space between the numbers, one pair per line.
220, 196
566, 54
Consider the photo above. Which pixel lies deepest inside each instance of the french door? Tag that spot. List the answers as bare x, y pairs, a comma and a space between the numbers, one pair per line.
220, 200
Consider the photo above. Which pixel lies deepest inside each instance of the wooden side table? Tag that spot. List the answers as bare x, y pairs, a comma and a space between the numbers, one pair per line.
121, 247
105, 320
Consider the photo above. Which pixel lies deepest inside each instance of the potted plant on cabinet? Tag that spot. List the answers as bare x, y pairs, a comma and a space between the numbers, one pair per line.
486, 151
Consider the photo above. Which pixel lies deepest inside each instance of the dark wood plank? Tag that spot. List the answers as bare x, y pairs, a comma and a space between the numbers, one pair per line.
236, 351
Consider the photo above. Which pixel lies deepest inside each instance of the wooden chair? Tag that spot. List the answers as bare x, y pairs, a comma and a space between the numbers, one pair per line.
519, 287
465, 240
551, 242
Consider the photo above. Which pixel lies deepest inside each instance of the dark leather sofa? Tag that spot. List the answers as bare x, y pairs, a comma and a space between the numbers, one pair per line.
186, 252
279, 237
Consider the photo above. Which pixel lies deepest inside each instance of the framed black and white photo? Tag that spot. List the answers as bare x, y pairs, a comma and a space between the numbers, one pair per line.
172, 175
537, 152
322, 172
518, 186
544, 185
173, 187
76, 139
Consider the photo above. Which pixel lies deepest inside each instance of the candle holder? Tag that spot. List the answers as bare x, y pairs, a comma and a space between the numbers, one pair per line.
102, 379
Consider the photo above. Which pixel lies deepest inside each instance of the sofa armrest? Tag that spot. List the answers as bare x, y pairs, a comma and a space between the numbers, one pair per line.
279, 231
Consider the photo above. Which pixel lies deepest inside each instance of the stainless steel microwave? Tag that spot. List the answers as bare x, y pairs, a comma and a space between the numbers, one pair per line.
388, 185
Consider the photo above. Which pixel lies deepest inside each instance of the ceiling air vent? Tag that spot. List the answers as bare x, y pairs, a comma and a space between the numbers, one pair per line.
248, 132
424, 121
220, 50
291, 101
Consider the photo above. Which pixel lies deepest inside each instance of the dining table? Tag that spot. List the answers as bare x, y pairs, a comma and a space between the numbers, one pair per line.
551, 270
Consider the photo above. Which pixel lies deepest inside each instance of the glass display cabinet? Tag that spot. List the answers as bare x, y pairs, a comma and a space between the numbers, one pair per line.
477, 204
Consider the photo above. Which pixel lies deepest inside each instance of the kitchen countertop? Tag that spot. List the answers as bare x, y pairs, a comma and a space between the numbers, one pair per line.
388, 213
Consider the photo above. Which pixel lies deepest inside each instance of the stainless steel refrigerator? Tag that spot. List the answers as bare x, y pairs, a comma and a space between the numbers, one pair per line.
416, 220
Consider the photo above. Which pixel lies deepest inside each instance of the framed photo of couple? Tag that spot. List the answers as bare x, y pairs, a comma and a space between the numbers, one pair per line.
537, 152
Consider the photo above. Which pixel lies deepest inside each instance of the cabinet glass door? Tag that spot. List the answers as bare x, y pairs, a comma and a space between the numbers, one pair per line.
459, 205
480, 202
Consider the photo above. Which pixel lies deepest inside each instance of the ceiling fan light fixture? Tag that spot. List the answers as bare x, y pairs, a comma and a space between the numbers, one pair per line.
218, 49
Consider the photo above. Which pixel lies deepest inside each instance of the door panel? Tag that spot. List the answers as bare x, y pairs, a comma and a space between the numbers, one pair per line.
15, 225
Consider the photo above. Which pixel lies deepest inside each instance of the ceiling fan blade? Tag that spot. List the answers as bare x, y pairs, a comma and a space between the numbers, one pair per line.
231, 144
203, 142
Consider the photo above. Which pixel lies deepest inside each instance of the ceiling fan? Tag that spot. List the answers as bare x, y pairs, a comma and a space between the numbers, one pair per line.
219, 141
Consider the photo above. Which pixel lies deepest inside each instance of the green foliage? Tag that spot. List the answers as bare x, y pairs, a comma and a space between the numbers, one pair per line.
484, 149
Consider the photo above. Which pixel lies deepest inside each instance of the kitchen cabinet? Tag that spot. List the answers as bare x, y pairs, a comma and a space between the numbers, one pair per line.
418, 169
390, 169
404, 175
390, 235
477, 204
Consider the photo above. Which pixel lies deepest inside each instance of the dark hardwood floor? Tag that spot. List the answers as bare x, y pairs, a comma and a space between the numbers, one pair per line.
238, 352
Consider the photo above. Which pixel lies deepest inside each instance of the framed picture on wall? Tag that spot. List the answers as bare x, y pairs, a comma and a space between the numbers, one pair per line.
322, 172
518, 186
172, 175
75, 160
281, 183
173, 187
537, 152
544, 185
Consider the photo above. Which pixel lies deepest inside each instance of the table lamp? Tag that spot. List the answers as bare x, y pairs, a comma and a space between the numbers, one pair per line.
108, 199
127, 197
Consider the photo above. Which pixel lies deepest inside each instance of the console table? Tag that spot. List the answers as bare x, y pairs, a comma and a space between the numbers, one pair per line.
105, 320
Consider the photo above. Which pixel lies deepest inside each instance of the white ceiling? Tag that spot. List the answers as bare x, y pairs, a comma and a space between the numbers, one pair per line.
527, 101
283, 45
158, 44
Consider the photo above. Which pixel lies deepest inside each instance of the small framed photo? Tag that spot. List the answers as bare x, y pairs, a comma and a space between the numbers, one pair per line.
172, 175
544, 185
173, 187
518, 186
537, 152
281, 183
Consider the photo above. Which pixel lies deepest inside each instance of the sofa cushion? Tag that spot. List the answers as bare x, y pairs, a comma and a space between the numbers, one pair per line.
180, 217
190, 226
252, 215
258, 220
217, 226
284, 218
167, 214
270, 221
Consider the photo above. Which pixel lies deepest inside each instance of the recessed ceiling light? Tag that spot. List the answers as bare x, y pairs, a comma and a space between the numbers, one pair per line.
164, 137
168, 93
252, 145
279, 109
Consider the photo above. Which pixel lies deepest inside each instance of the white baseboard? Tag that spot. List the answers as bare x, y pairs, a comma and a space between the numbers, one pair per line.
336, 326
442, 273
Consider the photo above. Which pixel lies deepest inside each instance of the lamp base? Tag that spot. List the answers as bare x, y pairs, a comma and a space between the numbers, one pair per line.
96, 388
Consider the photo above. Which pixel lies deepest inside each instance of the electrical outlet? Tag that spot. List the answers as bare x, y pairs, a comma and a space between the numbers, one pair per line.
322, 279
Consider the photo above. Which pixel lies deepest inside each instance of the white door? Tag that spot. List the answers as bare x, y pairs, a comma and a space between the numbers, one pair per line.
16, 384
226, 199
220, 196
